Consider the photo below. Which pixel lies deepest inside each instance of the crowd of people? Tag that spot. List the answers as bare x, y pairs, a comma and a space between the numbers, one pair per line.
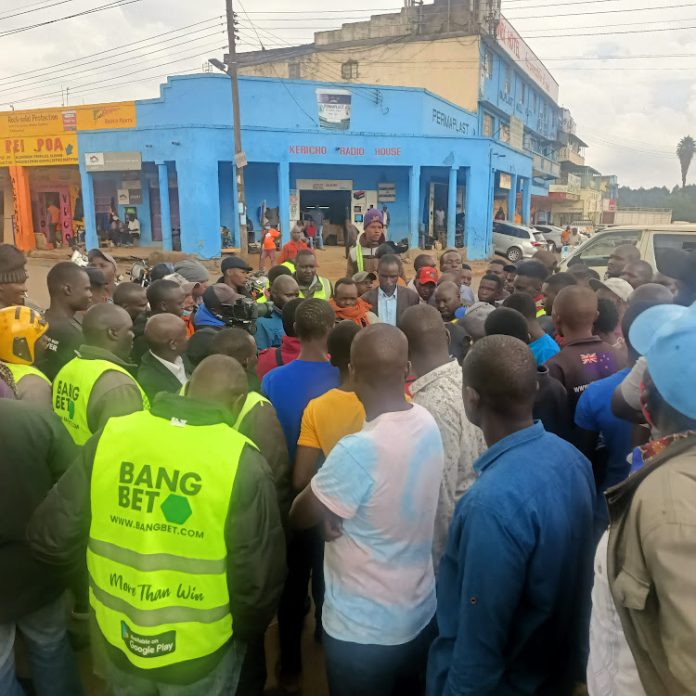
475, 488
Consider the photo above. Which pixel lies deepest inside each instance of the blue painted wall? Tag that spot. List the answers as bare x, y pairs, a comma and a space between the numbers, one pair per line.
391, 129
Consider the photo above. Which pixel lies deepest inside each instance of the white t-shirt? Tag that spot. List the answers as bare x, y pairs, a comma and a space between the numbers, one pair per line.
384, 483
134, 226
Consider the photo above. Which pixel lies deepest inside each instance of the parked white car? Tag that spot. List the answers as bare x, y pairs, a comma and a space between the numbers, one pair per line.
552, 234
650, 240
516, 242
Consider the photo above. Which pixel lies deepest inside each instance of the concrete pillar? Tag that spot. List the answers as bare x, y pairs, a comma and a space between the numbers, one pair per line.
512, 198
284, 199
145, 212
236, 228
526, 201
414, 174
228, 199
478, 230
165, 210
91, 236
199, 207
452, 206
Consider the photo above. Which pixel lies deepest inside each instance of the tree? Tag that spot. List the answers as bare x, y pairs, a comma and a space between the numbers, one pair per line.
685, 152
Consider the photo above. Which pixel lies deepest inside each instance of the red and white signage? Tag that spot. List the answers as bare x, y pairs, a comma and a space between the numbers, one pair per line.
513, 44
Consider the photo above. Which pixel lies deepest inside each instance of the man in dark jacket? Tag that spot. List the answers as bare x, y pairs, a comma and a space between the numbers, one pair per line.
36, 450
162, 367
165, 620
390, 300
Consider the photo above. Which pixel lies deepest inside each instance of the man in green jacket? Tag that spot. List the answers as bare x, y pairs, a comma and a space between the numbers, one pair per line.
185, 548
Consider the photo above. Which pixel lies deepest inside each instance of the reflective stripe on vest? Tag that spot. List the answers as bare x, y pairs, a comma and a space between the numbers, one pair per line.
72, 388
157, 555
324, 293
19, 372
252, 399
359, 256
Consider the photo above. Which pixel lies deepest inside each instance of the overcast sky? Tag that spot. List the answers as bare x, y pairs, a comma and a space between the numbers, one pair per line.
630, 110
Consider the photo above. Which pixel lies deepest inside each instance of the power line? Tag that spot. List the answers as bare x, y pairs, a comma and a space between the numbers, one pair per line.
78, 87
108, 6
45, 6
93, 69
600, 12
11, 78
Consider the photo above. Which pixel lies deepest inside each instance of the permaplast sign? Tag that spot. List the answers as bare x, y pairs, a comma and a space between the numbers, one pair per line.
450, 122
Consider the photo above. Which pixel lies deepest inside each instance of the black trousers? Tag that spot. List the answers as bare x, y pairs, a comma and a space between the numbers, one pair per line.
305, 558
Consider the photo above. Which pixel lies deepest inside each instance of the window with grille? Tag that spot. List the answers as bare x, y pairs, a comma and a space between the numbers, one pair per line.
487, 125
349, 70
294, 71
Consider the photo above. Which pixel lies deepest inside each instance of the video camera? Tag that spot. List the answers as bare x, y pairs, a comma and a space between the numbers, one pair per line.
243, 313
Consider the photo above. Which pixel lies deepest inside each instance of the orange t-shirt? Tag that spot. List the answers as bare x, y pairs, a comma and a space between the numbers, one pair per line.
269, 237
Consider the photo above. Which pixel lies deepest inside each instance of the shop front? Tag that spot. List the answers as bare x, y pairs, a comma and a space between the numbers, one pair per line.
42, 197
328, 152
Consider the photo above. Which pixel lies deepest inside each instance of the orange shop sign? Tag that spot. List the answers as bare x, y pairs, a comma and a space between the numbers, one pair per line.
35, 151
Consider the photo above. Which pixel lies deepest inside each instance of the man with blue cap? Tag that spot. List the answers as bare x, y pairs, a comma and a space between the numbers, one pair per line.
651, 559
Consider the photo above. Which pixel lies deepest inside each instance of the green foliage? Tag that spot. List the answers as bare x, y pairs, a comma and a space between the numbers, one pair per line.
682, 201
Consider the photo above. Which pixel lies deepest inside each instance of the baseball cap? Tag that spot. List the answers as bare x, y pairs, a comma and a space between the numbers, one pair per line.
362, 276
184, 284
666, 336
371, 215
427, 274
234, 262
620, 287
474, 320
92, 253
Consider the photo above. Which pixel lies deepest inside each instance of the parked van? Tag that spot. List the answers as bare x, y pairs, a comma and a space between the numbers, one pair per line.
650, 240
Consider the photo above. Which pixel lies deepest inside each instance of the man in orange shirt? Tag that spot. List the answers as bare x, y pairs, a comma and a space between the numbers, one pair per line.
53, 223
268, 245
296, 243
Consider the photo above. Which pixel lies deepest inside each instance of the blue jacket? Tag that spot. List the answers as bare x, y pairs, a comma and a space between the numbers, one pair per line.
269, 330
204, 317
513, 592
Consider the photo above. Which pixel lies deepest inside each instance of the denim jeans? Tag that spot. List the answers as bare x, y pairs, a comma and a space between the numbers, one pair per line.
377, 670
53, 668
220, 681
319, 239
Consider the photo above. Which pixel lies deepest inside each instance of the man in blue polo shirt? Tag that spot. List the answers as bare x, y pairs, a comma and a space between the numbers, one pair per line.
513, 593
269, 330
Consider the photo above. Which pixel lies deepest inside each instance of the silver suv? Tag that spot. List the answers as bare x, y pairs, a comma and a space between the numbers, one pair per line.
516, 242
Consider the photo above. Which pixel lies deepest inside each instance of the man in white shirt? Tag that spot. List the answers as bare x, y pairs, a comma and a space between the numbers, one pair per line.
133, 228
162, 368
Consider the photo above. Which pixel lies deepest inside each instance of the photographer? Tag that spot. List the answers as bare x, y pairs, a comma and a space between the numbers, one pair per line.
235, 274
223, 307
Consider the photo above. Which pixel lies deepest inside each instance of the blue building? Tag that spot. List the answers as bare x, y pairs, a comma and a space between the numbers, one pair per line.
309, 145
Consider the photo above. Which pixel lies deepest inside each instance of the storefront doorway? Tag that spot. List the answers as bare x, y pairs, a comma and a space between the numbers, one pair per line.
331, 208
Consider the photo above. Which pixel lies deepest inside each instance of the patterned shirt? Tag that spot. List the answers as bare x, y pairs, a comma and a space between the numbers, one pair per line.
440, 392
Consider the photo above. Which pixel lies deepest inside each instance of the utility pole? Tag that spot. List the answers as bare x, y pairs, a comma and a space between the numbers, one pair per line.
239, 158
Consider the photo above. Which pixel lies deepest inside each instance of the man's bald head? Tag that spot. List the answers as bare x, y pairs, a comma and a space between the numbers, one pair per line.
379, 364
447, 299
622, 255
283, 289
500, 381
424, 330
166, 335
575, 309
637, 273
110, 327
651, 292
235, 343
219, 380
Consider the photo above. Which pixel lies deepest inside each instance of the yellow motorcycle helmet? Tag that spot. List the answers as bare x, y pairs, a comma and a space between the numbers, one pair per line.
20, 329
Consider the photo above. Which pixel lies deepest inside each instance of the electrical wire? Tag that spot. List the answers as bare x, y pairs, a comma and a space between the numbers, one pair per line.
90, 56
94, 69
101, 82
108, 6
45, 6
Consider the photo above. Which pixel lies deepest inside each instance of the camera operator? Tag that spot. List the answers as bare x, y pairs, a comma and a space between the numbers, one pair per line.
223, 307
235, 274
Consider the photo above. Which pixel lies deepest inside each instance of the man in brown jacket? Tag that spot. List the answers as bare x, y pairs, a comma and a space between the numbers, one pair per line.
652, 546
